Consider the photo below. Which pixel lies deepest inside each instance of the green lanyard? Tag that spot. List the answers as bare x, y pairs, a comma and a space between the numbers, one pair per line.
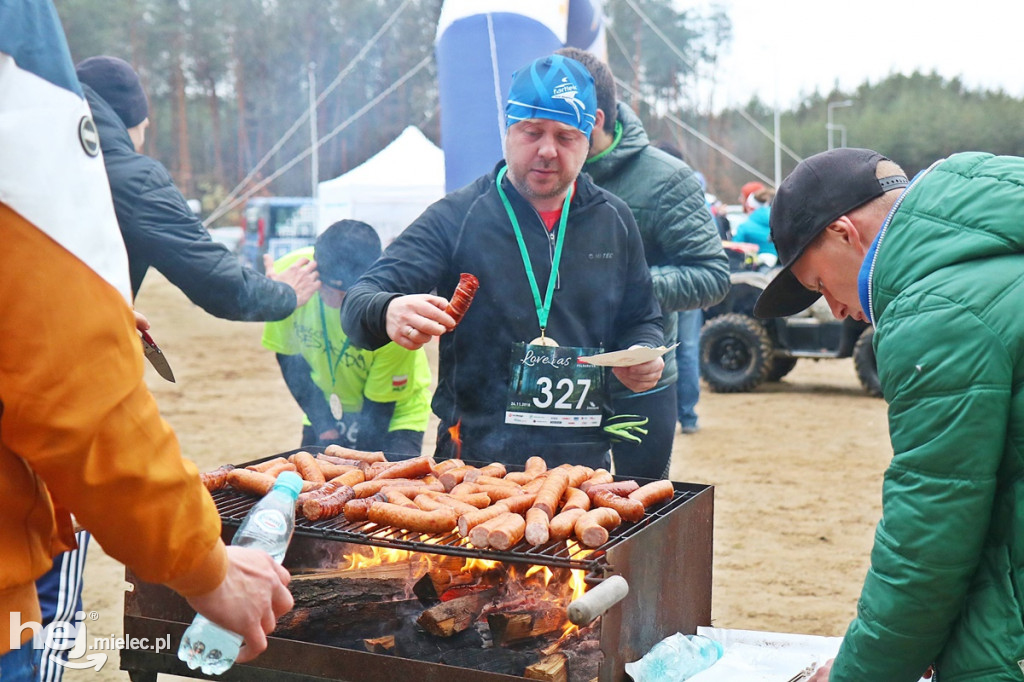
543, 306
332, 365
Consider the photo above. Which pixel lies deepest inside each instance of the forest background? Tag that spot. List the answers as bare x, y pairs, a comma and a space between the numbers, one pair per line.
229, 87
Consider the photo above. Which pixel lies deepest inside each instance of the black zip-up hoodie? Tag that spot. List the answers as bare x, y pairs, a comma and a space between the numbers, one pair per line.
160, 230
603, 299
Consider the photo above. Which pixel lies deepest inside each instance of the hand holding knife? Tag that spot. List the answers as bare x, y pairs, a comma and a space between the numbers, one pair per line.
156, 356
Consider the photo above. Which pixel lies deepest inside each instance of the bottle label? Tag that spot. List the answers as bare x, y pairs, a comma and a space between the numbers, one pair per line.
270, 521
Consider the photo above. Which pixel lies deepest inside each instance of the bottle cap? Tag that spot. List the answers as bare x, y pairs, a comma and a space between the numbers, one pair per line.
290, 481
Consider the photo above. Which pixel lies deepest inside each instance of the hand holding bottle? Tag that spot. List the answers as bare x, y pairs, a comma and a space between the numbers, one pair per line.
233, 620
250, 599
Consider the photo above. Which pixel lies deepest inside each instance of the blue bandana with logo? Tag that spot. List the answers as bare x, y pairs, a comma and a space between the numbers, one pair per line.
556, 88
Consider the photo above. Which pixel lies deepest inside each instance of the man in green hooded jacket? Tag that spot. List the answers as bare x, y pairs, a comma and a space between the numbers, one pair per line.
937, 265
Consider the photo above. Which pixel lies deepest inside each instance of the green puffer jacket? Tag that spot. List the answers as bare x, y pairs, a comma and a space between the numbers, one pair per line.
688, 264
946, 582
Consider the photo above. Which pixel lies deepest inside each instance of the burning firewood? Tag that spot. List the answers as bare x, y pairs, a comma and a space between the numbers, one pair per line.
509, 628
549, 669
380, 645
449, 617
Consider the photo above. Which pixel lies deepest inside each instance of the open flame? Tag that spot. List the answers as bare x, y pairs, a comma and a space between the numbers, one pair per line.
523, 587
454, 432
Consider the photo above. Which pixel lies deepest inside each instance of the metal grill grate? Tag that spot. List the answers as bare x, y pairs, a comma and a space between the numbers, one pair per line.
233, 507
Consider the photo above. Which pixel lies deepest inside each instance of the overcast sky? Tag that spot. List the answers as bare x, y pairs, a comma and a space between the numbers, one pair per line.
794, 46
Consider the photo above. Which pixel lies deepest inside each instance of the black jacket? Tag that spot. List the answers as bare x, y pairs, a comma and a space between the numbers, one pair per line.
161, 231
604, 298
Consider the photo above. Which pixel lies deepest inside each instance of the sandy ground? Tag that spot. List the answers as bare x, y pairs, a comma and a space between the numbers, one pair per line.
796, 466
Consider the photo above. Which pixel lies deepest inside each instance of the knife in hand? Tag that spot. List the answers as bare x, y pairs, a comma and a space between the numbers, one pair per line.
156, 357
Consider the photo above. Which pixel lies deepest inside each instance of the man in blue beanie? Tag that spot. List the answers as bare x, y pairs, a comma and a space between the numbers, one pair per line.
562, 275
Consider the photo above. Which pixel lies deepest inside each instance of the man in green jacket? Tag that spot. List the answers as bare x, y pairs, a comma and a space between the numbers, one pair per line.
938, 268
689, 267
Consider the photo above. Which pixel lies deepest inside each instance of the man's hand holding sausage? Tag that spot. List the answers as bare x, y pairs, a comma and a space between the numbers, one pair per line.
414, 319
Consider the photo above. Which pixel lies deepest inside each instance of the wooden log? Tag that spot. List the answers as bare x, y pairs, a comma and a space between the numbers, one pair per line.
517, 626
381, 645
449, 617
338, 608
549, 669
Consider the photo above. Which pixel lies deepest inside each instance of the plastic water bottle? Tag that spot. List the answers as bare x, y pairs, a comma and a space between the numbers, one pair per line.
267, 526
675, 658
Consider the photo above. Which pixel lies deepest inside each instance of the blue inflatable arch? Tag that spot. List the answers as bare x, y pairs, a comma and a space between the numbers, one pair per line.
480, 44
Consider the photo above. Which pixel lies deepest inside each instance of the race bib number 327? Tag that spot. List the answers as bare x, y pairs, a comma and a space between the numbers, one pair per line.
549, 387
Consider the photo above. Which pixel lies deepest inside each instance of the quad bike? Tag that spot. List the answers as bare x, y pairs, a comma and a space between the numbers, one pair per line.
738, 352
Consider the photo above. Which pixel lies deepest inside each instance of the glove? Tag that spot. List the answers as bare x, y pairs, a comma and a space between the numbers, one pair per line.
626, 428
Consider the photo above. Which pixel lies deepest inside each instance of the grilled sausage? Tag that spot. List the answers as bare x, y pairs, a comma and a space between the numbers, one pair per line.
356, 510
307, 467
550, 494
350, 478
454, 476
250, 482
579, 473
437, 521
217, 479
629, 510
496, 469
508, 530
263, 466
329, 505
322, 490
446, 464
561, 527
331, 470
575, 498
653, 493
500, 492
410, 468
279, 467
340, 461
470, 520
334, 450
455, 503
518, 503
536, 526
599, 476
621, 488
592, 527
462, 297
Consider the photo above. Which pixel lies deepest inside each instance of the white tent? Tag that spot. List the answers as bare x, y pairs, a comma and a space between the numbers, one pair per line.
390, 189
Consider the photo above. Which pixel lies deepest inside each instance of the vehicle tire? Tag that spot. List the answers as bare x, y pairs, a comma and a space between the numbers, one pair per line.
781, 366
864, 363
735, 353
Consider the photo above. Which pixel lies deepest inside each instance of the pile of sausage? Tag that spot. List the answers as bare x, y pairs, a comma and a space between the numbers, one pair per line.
489, 505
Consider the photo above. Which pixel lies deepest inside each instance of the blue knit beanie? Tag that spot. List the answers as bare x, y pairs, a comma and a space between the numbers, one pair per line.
556, 88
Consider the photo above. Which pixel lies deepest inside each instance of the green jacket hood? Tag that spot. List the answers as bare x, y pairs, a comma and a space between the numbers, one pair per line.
942, 219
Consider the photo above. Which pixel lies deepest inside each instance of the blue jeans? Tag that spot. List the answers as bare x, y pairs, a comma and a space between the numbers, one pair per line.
21, 665
688, 365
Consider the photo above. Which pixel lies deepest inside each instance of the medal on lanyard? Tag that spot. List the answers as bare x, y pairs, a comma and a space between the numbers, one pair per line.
334, 402
543, 306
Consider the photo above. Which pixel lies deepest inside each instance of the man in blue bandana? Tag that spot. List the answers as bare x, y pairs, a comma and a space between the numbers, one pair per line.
562, 275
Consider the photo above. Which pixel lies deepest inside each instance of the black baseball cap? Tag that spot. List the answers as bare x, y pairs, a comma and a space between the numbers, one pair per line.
820, 189
345, 251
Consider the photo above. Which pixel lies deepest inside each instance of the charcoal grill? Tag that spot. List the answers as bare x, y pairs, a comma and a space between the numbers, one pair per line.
665, 558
